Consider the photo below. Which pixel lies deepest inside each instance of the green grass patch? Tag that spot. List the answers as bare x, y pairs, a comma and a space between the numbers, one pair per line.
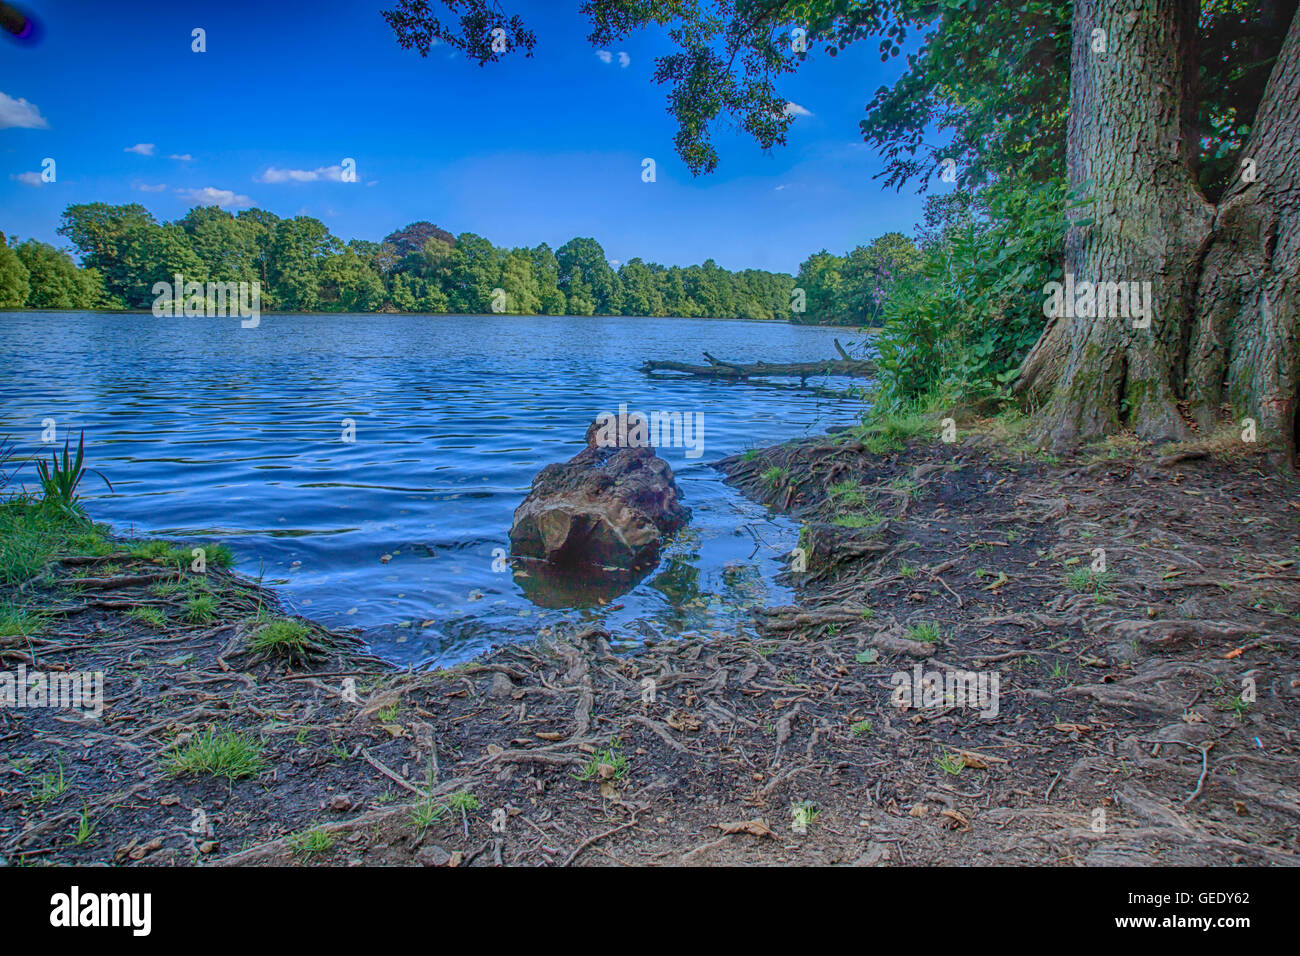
426, 814
1086, 580
16, 621
775, 477
285, 637
217, 754
85, 828
200, 609
219, 556
950, 763
847, 494
927, 633
868, 518
51, 785
161, 552
311, 842
886, 432
612, 757
150, 616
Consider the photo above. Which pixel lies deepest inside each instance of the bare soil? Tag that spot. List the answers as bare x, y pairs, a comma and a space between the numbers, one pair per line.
1148, 714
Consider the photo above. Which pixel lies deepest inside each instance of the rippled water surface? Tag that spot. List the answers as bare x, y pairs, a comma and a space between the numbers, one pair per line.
210, 430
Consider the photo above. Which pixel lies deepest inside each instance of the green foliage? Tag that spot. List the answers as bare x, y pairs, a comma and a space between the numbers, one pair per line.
25, 547
14, 285
419, 268
32, 533
60, 478
962, 326
55, 280
853, 289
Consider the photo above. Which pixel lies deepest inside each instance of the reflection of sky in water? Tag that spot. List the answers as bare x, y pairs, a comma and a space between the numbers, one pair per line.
208, 429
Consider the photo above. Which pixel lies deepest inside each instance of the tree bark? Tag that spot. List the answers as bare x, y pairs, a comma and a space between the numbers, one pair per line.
1223, 280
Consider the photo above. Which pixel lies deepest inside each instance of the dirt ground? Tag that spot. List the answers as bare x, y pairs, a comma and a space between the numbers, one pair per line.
1147, 713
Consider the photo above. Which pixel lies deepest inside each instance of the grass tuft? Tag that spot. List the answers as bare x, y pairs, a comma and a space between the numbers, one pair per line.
285, 637
218, 754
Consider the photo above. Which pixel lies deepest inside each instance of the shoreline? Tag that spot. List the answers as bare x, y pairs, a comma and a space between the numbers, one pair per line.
468, 315
1121, 694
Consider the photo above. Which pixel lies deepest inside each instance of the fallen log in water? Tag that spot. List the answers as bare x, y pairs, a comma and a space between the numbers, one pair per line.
736, 371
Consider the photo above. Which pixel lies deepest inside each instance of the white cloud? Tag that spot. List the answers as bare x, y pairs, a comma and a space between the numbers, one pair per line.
329, 174
605, 56
19, 114
30, 179
782, 186
624, 59
794, 109
144, 149
183, 157
148, 188
209, 196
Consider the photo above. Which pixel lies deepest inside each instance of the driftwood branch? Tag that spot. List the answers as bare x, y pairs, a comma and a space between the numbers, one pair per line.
736, 371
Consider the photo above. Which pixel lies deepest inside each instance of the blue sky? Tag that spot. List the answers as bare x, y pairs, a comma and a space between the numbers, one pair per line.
522, 151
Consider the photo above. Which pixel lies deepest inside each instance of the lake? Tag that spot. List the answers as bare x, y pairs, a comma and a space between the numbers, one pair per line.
210, 430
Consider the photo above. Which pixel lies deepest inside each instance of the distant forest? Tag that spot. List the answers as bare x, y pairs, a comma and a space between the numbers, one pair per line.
124, 251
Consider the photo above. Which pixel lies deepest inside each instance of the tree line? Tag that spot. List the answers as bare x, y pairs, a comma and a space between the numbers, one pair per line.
302, 267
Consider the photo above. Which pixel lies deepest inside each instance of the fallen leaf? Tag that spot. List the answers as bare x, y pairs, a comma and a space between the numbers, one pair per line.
549, 735
958, 820
1074, 728
756, 827
985, 758
680, 720
1002, 579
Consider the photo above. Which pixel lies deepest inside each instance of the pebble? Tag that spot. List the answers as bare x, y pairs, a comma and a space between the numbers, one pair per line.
433, 856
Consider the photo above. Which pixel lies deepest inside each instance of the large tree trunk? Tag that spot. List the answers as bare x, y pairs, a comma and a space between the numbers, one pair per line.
1223, 281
